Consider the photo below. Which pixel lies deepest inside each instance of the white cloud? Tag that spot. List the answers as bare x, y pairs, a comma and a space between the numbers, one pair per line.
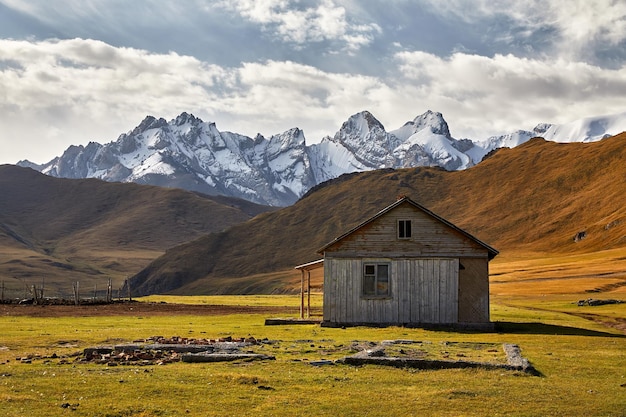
506, 91
72, 90
322, 21
56, 93
64, 92
36, 74
578, 27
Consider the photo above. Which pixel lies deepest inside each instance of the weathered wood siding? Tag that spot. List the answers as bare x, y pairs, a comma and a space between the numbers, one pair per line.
430, 238
474, 291
422, 290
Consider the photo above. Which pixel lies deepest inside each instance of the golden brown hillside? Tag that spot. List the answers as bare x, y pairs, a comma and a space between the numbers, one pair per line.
533, 199
58, 231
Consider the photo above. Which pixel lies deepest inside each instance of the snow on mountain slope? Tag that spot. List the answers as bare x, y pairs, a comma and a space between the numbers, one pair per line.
438, 148
189, 153
509, 140
331, 159
589, 129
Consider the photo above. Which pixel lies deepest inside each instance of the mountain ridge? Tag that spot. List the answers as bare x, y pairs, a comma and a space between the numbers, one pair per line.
60, 230
189, 153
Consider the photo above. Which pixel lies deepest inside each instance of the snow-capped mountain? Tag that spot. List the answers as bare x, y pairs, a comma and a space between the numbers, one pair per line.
191, 154
510, 140
363, 144
588, 129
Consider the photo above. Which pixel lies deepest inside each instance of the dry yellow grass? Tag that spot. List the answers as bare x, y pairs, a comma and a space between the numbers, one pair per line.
597, 272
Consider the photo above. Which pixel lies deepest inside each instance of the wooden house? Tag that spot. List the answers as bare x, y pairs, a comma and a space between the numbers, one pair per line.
406, 266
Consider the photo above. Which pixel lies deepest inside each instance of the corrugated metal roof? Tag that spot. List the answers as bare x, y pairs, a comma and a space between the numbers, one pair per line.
311, 265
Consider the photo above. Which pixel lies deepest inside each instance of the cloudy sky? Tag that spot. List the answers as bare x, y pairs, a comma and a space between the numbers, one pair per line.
74, 71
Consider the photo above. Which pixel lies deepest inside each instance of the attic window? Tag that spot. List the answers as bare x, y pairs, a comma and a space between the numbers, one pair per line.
404, 229
375, 280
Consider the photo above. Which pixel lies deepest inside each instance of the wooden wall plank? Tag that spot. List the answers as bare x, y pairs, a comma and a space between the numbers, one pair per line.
422, 291
474, 291
429, 236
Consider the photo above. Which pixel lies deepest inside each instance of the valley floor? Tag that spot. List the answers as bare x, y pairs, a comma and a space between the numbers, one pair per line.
578, 351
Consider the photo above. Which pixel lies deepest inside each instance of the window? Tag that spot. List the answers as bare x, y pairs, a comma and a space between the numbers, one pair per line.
375, 280
404, 229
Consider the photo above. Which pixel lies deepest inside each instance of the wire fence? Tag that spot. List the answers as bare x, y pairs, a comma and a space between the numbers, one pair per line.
22, 292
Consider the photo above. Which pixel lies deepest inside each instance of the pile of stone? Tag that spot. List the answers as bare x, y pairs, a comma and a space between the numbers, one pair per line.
158, 350
113, 356
596, 302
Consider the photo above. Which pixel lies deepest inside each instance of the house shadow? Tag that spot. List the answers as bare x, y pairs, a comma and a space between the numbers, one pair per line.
548, 329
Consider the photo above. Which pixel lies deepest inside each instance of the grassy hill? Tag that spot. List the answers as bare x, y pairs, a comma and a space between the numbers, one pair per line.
526, 201
58, 231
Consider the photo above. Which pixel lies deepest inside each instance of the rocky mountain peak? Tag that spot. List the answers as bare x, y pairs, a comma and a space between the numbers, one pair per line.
362, 122
185, 118
149, 122
429, 120
293, 137
542, 128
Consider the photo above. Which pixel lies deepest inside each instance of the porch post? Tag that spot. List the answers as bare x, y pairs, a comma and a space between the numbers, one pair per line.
302, 293
308, 292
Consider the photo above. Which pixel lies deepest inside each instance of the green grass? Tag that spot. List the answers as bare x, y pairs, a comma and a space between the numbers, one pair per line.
583, 366
239, 300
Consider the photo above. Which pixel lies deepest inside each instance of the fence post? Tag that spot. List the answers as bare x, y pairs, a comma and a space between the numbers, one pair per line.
130, 297
75, 286
109, 291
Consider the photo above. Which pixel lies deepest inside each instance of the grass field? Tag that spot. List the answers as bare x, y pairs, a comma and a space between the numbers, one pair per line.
579, 351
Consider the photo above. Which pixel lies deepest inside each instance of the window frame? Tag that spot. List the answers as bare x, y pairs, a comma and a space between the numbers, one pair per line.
378, 280
404, 229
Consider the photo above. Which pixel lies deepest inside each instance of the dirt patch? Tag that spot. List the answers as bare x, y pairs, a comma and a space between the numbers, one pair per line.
138, 308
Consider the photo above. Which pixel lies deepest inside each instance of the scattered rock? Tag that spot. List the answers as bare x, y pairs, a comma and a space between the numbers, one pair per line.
224, 357
158, 350
376, 352
580, 236
322, 362
597, 302
515, 361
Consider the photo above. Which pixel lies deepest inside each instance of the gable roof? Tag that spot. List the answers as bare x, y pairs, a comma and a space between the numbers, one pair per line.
491, 251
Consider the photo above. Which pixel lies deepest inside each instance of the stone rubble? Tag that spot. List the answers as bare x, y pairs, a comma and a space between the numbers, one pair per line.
158, 350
